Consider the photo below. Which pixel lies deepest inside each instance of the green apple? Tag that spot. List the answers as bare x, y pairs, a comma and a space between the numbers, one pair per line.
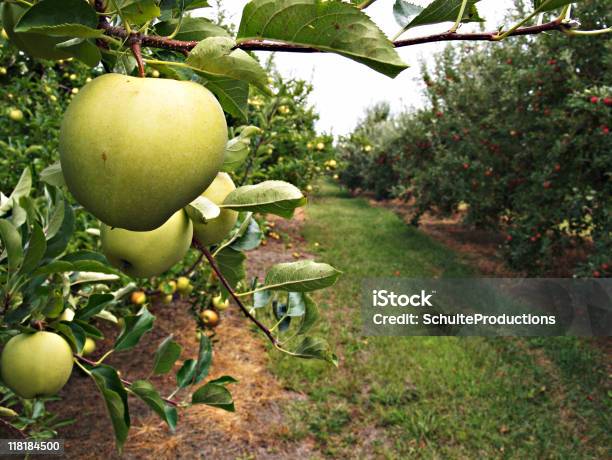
89, 346
147, 254
138, 298
37, 364
15, 115
219, 304
210, 318
183, 283
136, 150
33, 44
214, 230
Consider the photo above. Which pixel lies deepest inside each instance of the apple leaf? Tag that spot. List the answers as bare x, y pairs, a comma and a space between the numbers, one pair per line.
233, 95
95, 304
404, 12
73, 333
191, 29
315, 348
204, 360
261, 298
201, 210
216, 56
184, 376
248, 236
83, 50
138, 11
335, 27
231, 264
61, 238
147, 393
272, 196
224, 380
37, 245
166, 355
52, 175
301, 276
215, 395
60, 18
116, 399
311, 315
135, 327
11, 244
23, 188
237, 149
444, 11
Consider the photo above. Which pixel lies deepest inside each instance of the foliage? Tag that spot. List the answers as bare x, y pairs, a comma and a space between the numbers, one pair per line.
517, 131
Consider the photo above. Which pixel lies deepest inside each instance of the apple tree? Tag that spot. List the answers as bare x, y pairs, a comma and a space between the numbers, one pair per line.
148, 158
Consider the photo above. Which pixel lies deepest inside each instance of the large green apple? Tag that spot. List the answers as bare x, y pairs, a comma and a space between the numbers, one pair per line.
147, 254
214, 230
37, 364
136, 150
35, 45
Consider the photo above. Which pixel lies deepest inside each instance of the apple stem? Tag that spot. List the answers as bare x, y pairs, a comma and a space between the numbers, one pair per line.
245, 310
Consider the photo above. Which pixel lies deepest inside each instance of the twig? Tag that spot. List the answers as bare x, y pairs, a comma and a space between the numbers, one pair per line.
7, 424
245, 310
189, 272
134, 41
124, 381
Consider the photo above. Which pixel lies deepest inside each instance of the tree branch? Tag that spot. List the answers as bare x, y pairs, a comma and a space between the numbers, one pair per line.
11, 427
245, 310
152, 41
135, 41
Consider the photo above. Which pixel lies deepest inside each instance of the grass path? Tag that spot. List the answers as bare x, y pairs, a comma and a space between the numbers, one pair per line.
433, 397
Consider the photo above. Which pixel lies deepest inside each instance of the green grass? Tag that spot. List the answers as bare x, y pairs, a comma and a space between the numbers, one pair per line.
426, 397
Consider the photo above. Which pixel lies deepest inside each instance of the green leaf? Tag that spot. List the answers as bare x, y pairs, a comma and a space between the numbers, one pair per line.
237, 149
57, 244
60, 18
272, 196
215, 56
166, 355
311, 315
35, 250
204, 359
90, 330
249, 238
224, 380
11, 243
145, 391
138, 11
445, 11
192, 29
52, 175
202, 210
261, 298
74, 334
296, 304
231, 264
83, 50
301, 276
332, 26
23, 187
184, 377
95, 304
404, 12
233, 95
135, 327
213, 394
116, 399
315, 348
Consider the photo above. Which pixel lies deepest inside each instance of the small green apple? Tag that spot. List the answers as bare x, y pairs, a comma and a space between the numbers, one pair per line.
138, 298
210, 318
183, 285
15, 115
219, 303
89, 346
147, 254
136, 150
214, 230
37, 364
